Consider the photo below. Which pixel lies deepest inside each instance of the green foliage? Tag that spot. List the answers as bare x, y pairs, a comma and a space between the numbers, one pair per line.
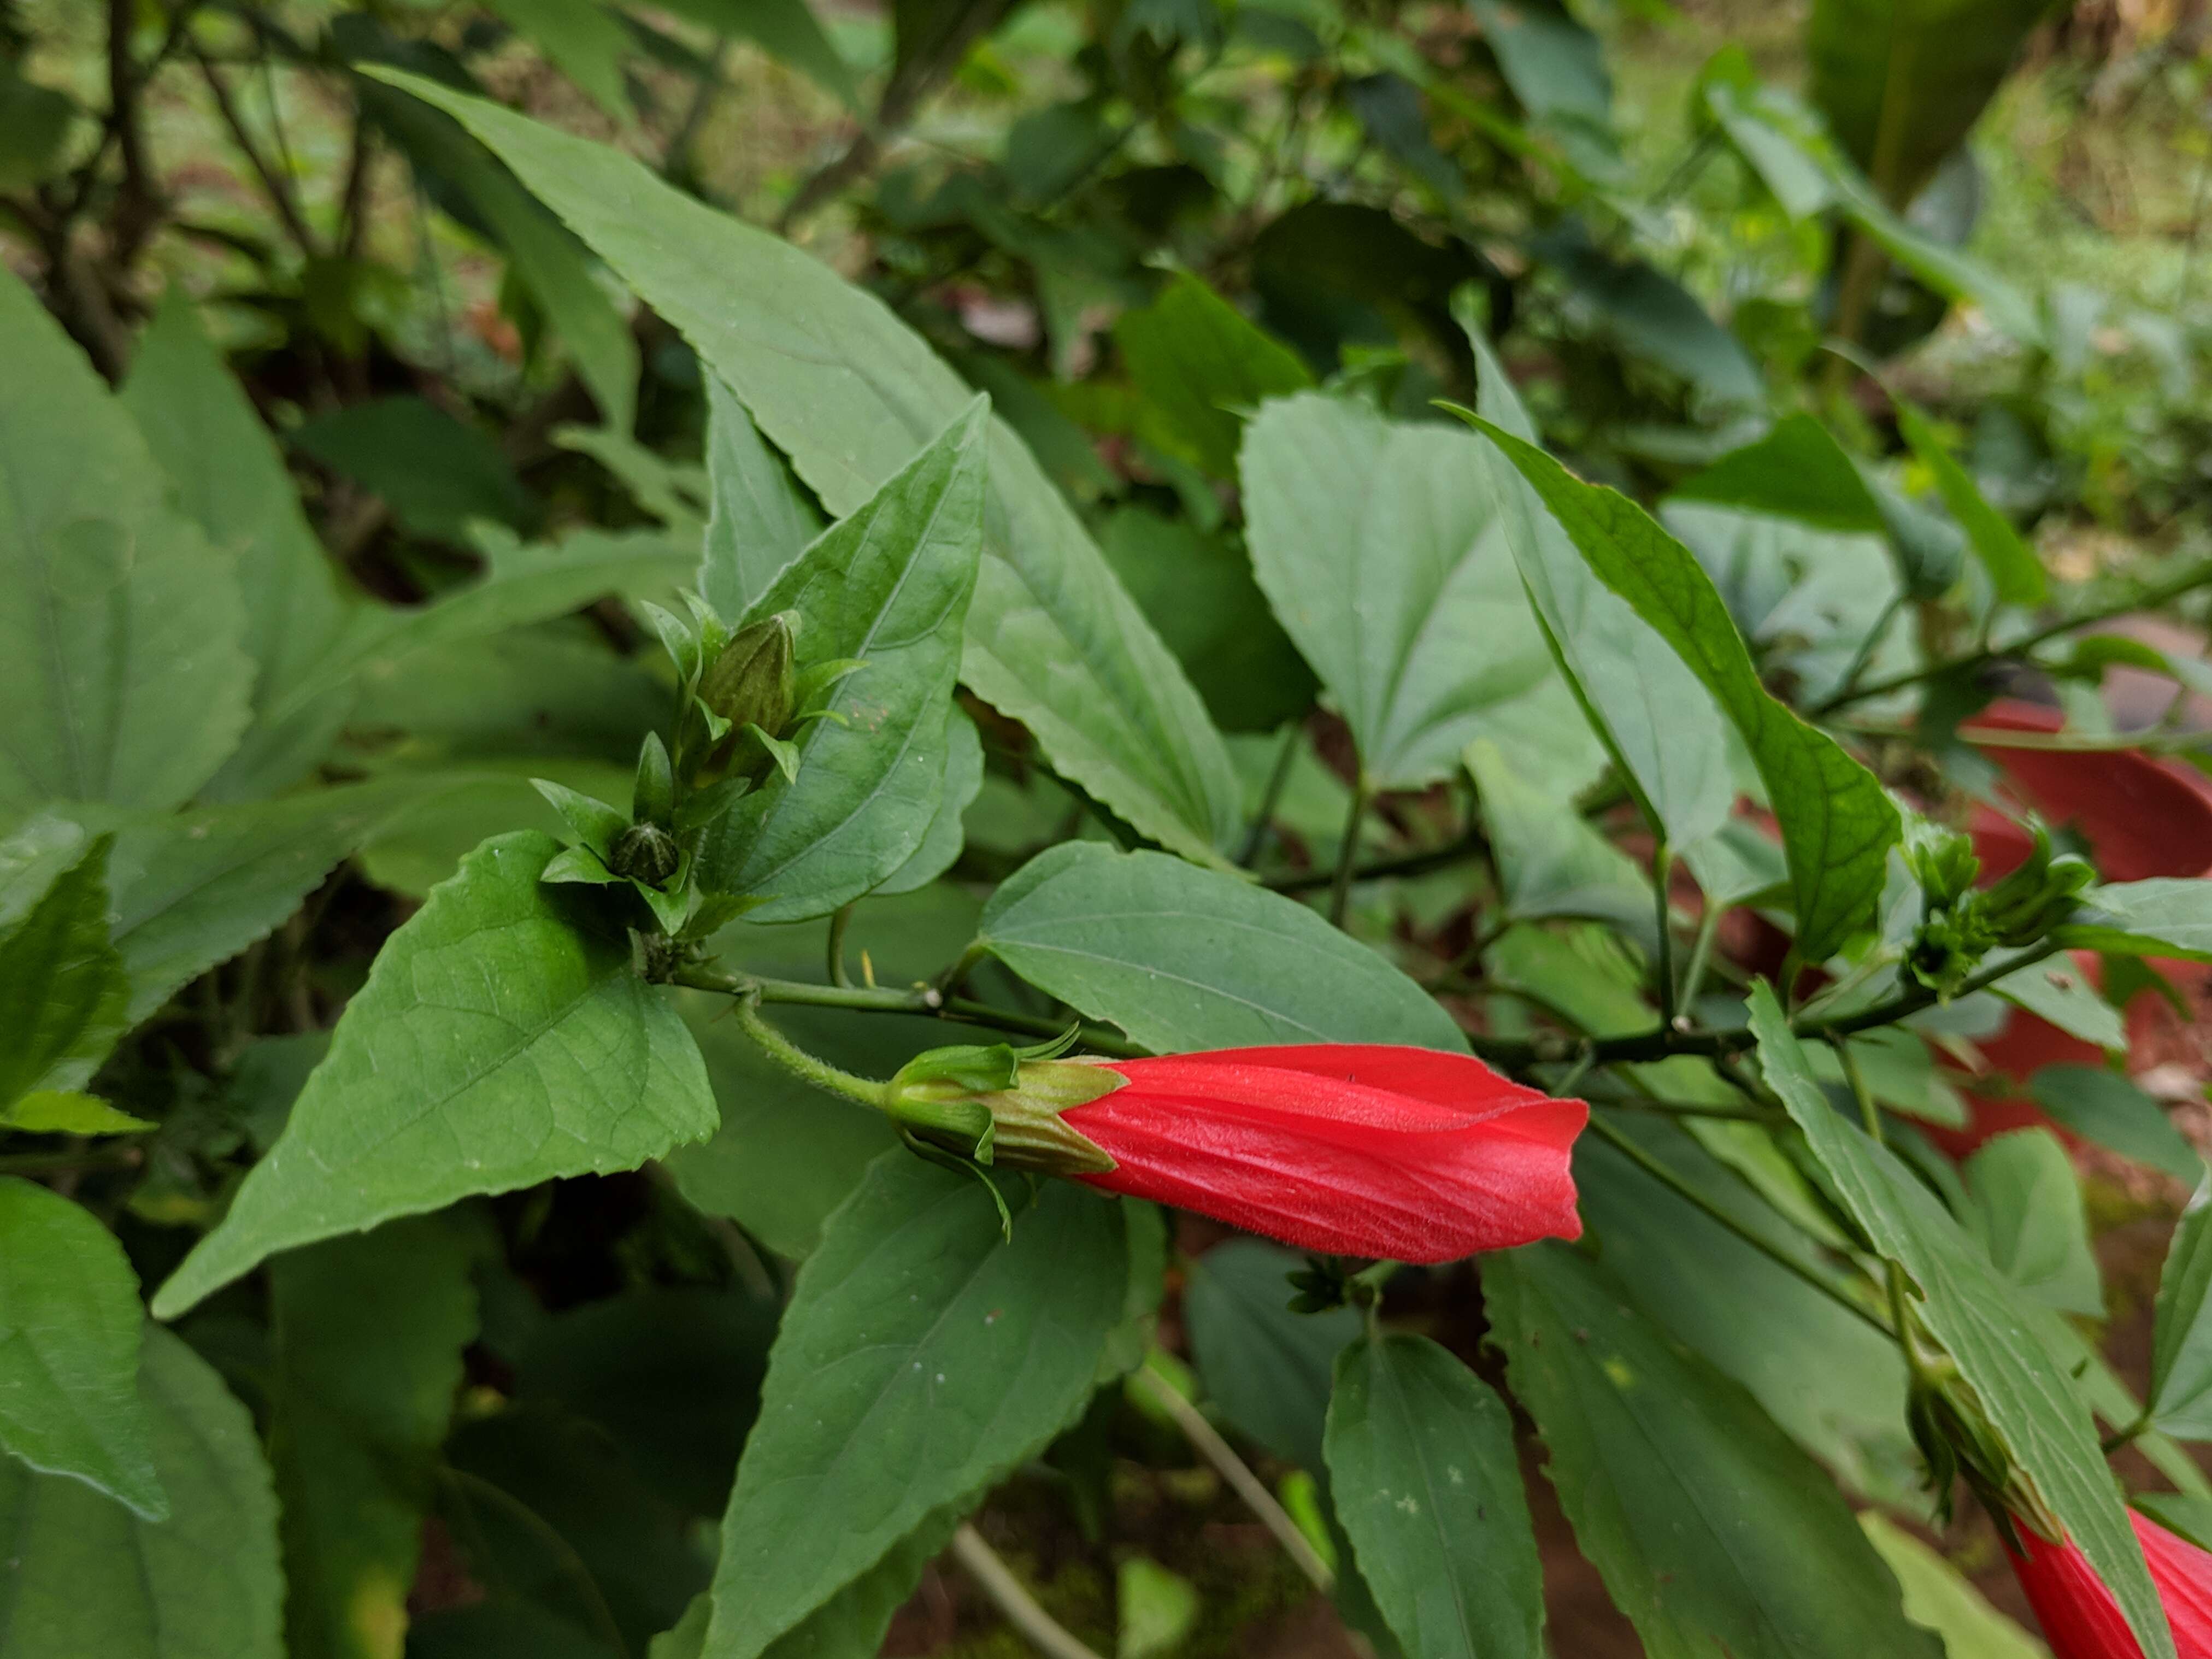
502, 1038
597, 706
1699, 1511
1180, 957
1428, 1487
69, 1323
951, 1361
88, 1576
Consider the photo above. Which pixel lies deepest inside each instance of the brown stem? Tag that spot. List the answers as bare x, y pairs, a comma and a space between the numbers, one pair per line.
273, 183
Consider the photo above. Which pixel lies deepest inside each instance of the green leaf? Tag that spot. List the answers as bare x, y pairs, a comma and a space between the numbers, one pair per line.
586, 42
2103, 1107
1199, 591
2164, 916
502, 1039
195, 889
1265, 1369
69, 1323
1550, 861
1989, 1329
888, 586
1937, 1597
2014, 571
549, 262
83, 1576
438, 475
1834, 1383
1181, 957
62, 989
227, 476
1797, 471
1632, 689
2058, 990
1903, 82
788, 31
1427, 1485
942, 841
1837, 822
34, 126
1700, 1513
919, 1332
2032, 1221
1155, 1609
1554, 65
121, 675
1376, 543
63, 1112
850, 393
1785, 145
1200, 366
760, 522
369, 1336
2180, 1400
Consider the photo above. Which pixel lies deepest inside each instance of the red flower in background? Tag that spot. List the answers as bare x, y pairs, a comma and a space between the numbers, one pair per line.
2079, 1615
1353, 1149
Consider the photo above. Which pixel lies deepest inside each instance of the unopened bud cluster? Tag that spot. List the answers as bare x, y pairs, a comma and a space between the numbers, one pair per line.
1961, 923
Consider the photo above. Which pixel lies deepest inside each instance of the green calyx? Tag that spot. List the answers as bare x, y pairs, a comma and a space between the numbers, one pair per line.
997, 1104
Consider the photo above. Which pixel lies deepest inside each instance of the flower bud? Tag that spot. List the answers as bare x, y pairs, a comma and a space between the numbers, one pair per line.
1001, 1105
752, 681
645, 852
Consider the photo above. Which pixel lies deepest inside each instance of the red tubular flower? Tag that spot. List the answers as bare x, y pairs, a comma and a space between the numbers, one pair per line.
1354, 1149
2079, 1615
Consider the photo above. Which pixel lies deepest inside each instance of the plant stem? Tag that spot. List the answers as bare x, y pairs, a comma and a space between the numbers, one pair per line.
1339, 888
997, 1581
1662, 870
1701, 950
1403, 864
1207, 1440
1766, 1247
32, 1164
831, 1079
839, 921
924, 1000
2146, 599
1255, 837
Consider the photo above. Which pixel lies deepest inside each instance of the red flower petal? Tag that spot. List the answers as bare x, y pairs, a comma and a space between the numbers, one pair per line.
1352, 1149
2081, 1620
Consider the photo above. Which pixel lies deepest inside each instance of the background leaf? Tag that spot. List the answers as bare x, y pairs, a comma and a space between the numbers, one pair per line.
920, 1333
62, 989
1376, 544
1267, 1369
849, 392
1984, 1325
1700, 1513
369, 1333
69, 1321
227, 476
1196, 361
760, 522
1837, 821
1181, 957
85, 1576
122, 678
1428, 1485
502, 1039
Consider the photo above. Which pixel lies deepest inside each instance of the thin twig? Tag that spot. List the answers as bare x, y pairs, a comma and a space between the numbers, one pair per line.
273, 183
997, 1581
1207, 1441
1470, 845
1339, 886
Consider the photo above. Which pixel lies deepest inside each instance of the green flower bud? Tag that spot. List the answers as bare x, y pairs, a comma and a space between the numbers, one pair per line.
752, 682
1001, 1105
645, 852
